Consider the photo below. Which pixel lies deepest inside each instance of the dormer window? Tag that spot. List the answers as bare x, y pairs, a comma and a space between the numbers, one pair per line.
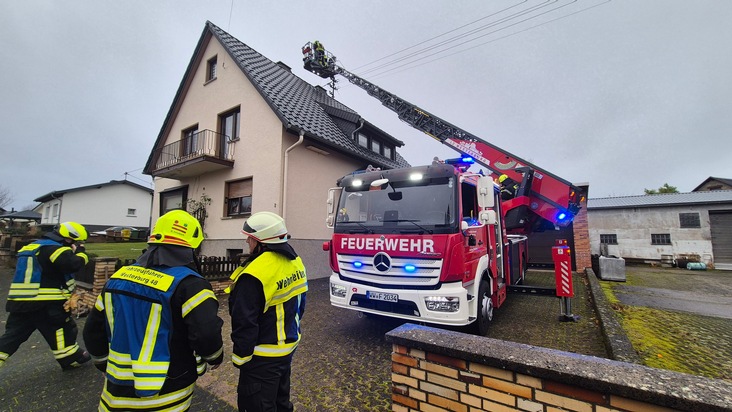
375, 145
211, 69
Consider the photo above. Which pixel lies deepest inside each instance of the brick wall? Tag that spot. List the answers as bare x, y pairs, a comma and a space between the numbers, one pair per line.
437, 370
580, 226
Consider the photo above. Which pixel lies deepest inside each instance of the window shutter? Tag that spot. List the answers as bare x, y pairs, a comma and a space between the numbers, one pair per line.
240, 188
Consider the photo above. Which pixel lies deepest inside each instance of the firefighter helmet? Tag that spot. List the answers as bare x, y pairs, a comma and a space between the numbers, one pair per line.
266, 227
179, 228
71, 230
502, 178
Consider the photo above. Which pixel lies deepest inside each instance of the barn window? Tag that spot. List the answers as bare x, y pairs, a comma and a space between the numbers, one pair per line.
689, 220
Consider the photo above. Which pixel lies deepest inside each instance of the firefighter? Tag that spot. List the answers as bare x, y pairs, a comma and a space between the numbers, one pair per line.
320, 53
155, 325
508, 187
266, 305
39, 294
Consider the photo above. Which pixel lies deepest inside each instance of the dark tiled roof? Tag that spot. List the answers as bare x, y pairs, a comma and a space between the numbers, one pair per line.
711, 178
297, 103
660, 200
57, 193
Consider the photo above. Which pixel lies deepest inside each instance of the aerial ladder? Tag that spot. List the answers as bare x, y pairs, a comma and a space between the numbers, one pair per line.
543, 200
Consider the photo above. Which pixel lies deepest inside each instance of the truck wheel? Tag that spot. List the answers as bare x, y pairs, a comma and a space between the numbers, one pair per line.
485, 309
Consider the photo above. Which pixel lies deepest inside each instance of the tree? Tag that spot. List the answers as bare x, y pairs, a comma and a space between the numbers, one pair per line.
663, 189
5, 196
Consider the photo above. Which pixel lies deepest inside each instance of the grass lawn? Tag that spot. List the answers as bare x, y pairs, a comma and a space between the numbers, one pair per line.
119, 250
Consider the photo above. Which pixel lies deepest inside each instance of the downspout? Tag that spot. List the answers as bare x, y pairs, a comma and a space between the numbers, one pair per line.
354, 134
284, 173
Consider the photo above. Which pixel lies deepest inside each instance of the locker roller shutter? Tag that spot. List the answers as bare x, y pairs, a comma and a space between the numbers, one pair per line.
721, 227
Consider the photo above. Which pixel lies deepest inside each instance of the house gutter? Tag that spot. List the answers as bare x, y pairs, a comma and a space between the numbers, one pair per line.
284, 172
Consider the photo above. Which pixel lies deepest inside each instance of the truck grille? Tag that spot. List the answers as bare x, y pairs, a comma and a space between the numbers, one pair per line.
361, 268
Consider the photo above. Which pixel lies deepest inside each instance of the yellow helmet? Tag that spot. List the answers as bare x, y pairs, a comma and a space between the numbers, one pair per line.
177, 227
502, 178
266, 227
72, 230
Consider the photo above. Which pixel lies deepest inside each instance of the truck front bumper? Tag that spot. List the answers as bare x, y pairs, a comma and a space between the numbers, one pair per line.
407, 304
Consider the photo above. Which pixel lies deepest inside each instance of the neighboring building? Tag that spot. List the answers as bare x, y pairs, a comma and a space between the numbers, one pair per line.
97, 207
714, 183
250, 135
652, 227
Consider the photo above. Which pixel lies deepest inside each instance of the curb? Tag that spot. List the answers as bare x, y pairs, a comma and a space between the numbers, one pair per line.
616, 341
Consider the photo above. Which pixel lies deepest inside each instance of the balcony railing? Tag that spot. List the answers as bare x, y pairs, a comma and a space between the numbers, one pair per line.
201, 152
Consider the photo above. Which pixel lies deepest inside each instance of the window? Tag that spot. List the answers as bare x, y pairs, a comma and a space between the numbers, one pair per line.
661, 239
233, 253
229, 130
363, 140
239, 198
376, 146
387, 152
55, 211
190, 141
609, 239
689, 220
131, 212
173, 199
211, 69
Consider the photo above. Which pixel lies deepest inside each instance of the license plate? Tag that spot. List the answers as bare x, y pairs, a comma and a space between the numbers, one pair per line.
388, 297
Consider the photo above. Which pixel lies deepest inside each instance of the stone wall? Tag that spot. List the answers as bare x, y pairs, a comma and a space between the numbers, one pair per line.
440, 370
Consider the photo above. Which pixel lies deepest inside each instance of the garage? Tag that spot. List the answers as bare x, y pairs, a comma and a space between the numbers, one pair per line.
721, 229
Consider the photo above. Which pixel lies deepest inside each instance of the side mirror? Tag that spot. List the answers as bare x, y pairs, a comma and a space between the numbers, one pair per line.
395, 196
334, 195
485, 188
488, 217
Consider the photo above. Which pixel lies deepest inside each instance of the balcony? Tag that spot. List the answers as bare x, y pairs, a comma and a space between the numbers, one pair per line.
201, 152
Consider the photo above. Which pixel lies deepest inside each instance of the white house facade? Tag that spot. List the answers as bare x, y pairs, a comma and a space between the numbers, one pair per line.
115, 203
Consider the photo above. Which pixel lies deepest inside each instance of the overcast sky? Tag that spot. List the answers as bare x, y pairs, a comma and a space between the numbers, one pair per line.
621, 94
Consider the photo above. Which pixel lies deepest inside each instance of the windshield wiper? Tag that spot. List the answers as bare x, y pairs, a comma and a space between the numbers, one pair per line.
414, 222
358, 222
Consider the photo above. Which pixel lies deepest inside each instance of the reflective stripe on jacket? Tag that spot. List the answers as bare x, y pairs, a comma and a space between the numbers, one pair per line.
26, 285
139, 353
284, 284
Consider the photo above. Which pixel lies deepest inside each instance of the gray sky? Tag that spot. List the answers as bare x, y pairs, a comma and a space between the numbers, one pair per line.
623, 94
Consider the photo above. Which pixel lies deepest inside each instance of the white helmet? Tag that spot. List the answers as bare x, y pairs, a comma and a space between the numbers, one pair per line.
266, 227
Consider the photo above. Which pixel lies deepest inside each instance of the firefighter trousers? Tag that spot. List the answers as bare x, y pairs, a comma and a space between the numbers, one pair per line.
264, 385
54, 323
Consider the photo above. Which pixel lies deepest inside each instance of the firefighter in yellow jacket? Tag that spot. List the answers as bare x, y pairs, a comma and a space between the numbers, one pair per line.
266, 305
38, 295
155, 325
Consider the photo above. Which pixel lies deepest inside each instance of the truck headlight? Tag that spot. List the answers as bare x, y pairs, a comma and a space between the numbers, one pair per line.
442, 303
338, 291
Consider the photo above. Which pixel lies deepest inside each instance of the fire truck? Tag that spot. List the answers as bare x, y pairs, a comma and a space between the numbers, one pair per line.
435, 243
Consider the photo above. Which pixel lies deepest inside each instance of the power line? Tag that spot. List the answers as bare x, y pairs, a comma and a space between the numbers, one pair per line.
488, 42
439, 35
414, 63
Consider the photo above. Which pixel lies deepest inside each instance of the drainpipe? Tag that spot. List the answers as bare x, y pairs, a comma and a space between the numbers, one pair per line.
284, 173
355, 132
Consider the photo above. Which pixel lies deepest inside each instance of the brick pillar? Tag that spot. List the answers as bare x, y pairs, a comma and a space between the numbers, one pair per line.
582, 253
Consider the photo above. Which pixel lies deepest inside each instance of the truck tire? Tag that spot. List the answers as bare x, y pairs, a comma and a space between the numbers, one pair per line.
485, 309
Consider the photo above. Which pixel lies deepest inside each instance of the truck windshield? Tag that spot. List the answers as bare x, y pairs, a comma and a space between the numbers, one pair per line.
399, 207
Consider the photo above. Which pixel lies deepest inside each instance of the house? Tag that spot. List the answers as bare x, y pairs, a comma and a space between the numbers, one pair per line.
97, 207
714, 183
664, 226
248, 134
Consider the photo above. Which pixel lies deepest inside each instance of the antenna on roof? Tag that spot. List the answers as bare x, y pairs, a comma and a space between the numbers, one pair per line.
333, 84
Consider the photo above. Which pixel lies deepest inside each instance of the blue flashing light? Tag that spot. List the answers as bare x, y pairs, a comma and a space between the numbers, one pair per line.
561, 216
357, 264
463, 160
409, 268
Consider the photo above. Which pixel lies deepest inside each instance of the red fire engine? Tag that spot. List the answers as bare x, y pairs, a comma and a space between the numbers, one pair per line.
435, 243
